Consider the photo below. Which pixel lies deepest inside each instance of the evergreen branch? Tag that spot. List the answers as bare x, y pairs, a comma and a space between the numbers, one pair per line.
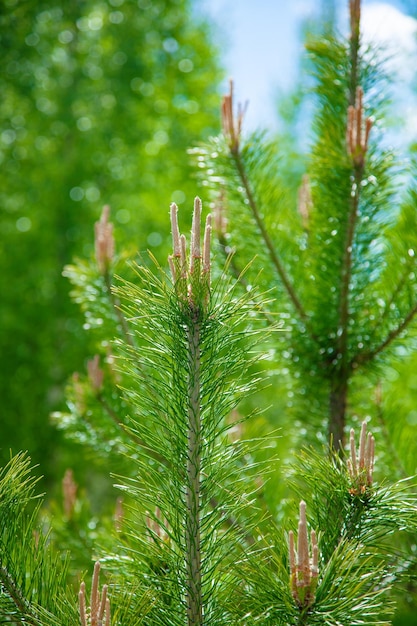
401, 472
239, 276
9, 585
193, 522
366, 357
115, 303
396, 292
267, 239
130, 433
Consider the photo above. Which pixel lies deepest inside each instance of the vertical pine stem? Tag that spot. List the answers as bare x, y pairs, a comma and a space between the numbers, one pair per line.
339, 382
193, 522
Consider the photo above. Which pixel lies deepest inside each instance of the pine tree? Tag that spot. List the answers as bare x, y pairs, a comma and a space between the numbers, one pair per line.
341, 265
194, 540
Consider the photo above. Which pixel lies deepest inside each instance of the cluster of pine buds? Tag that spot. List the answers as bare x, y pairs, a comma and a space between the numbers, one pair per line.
361, 464
303, 567
357, 132
98, 613
191, 277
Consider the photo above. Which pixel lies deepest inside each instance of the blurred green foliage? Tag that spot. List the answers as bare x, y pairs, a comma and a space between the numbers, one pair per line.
100, 100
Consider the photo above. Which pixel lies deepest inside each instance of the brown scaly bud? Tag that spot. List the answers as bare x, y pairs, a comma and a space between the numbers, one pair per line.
361, 465
303, 567
69, 493
104, 241
95, 373
357, 131
305, 201
98, 614
232, 127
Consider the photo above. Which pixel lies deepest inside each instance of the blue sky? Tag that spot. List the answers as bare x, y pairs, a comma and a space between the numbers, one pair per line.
261, 47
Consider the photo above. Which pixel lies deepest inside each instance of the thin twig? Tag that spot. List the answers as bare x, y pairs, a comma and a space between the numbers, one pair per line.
20, 602
365, 357
268, 242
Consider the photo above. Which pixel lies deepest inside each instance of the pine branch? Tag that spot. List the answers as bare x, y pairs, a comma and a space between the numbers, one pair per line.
232, 127
366, 357
31, 574
276, 261
14, 592
128, 431
193, 521
192, 358
239, 275
402, 282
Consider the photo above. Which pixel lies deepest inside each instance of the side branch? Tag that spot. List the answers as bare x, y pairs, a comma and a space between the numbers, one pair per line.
397, 291
268, 242
365, 357
9, 585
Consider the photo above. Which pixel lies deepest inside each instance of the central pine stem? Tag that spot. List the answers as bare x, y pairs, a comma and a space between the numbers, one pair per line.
193, 522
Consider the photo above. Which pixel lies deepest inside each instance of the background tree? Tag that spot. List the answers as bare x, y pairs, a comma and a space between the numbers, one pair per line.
100, 101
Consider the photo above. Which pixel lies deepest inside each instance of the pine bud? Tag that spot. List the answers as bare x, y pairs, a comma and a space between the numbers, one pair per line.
104, 241
357, 131
305, 201
303, 568
98, 613
69, 492
361, 465
95, 373
192, 281
232, 127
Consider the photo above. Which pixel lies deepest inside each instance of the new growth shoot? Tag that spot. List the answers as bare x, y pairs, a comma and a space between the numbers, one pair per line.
361, 465
232, 126
98, 613
303, 567
104, 241
357, 132
191, 276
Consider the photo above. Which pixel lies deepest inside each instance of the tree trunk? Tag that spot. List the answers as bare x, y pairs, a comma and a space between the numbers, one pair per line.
337, 410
